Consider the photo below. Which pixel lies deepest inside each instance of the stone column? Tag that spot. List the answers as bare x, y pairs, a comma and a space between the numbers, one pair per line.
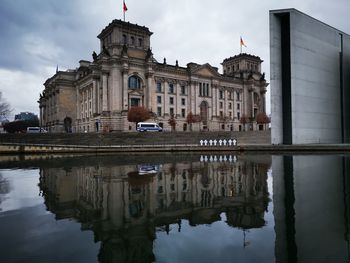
104, 92
166, 98
93, 97
196, 95
148, 92
244, 104
214, 100
178, 99
125, 102
78, 111
225, 103
193, 97
252, 99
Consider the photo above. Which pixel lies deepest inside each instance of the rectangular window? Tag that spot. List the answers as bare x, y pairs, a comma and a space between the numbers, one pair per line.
171, 88
200, 89
159, 111
230, 106
159, 87
159, 99
230, 114
221, 94
221, 105
171, 100
171, 111
230, 96
134, 102
207, 90
238, 106
183, 113
221, 114
238, 115
183, 90
183, 102
237, 95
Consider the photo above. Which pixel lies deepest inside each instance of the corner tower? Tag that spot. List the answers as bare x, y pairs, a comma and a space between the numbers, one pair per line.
119, 34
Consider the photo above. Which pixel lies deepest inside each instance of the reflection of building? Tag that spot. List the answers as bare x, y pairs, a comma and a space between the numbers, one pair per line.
311, 208
97, 95
123, 207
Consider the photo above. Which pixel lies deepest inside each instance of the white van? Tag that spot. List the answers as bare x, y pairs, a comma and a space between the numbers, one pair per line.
35, 130
148, 126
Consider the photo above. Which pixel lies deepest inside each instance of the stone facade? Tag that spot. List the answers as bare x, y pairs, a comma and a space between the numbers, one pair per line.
97, 95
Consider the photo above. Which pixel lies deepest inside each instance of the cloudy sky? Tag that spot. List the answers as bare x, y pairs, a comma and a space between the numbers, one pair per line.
37, 35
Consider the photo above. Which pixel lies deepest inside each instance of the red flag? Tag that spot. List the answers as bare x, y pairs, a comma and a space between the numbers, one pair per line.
124, 7
242, 43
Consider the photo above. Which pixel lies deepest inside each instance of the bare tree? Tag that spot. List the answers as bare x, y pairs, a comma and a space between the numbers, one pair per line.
4, 107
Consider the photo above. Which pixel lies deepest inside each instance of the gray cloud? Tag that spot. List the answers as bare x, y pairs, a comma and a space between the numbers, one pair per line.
37, 35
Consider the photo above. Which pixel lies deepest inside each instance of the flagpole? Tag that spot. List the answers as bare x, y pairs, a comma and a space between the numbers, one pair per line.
240, 44
124, 9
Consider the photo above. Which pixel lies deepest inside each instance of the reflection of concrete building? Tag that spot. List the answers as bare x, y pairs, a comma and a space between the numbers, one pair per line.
120, 205
311, 208
310, 80
97, 95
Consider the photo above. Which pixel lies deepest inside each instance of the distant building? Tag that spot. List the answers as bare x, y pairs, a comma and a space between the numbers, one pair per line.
26, 116
310, 84
97, 95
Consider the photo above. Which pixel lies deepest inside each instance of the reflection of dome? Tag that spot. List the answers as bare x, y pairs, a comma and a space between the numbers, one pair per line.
245, 217
204, 216
134, 179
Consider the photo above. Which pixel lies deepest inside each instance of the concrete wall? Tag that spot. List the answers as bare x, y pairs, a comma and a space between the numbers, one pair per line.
306, 84
346, 86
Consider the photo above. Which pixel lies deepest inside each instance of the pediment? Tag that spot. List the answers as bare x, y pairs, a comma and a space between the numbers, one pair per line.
136, 92
206, 70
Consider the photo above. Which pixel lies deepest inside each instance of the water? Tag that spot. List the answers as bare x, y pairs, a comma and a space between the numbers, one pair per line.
174, 208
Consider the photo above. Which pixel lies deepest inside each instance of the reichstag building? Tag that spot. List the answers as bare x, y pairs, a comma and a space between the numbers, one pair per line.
96, 96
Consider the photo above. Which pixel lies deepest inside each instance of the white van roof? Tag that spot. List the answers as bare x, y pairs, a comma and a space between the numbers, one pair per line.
146, 123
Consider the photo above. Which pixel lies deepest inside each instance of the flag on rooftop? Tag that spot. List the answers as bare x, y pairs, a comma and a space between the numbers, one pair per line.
242, 43
125, 8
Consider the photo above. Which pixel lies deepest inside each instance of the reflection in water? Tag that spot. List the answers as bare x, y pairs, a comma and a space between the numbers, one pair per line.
4, 188
125, 205
311, 208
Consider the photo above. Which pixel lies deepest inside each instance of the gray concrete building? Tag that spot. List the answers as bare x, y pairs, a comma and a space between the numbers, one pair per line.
310, 84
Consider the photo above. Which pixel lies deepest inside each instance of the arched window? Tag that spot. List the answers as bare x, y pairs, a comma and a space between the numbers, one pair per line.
134, 82
125, 40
